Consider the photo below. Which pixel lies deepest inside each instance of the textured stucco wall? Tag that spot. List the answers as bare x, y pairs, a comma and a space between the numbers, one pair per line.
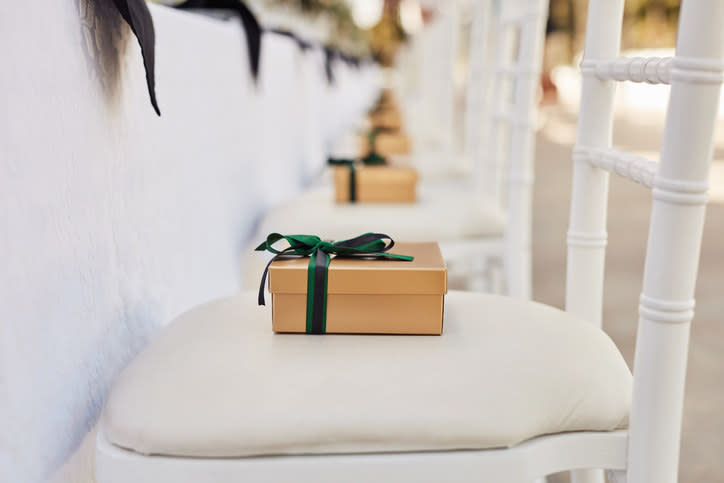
112, 220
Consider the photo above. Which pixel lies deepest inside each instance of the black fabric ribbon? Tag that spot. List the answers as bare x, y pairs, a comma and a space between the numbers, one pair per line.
137, 16
367, 246
349, 59
254, 33
252, 29
329, 56
350, 163
301, 43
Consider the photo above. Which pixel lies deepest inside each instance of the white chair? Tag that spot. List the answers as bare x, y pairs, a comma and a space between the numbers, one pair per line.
480, 73
512, 391
473, 225
679, 184
424, 80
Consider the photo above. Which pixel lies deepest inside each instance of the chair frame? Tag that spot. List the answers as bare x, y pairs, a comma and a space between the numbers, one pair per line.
522, 463
508, 129
648, 451
679, 185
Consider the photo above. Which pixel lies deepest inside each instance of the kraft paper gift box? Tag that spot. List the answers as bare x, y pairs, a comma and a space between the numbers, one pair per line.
365, 296
387, 100
387, 97
386, 119
386, 183
385, 143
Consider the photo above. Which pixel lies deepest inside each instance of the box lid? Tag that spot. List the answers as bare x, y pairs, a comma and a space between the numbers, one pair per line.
386, 174
425, 275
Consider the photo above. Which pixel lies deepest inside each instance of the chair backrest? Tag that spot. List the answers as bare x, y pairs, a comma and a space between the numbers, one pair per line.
503, 142
426, 83
679, 186
480, 73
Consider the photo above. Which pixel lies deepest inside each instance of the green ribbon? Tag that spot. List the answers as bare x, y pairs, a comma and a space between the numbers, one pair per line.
373, 157
367, 246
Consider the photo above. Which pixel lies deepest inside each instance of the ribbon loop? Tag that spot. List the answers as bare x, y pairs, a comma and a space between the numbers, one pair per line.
368, 245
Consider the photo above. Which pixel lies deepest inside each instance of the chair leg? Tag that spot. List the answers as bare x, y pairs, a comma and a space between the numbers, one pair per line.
587, 476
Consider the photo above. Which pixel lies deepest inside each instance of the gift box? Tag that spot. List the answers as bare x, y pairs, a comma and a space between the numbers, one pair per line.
387, 100
387, 183
385, 143
360, 295
387, 118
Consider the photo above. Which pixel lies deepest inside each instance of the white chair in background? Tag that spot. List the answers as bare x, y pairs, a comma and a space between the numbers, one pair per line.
424, 80
480, 73
512, 391
477, 221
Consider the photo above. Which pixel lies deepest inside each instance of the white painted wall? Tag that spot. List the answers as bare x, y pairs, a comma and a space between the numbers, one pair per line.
113, 221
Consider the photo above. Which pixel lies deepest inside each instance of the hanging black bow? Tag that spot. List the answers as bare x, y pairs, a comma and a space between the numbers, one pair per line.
252, 29
329, 56
301, 43
137, 16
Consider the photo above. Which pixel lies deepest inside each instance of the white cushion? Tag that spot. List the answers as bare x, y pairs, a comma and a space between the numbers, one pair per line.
442, 216
218, 383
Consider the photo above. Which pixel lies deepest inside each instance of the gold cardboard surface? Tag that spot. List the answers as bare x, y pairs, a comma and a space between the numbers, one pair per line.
377, 184
367, 296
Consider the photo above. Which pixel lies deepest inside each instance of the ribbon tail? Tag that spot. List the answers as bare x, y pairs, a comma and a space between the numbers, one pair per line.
328, 68
253, 32
263, 281
282, 254
252, 29
137, 16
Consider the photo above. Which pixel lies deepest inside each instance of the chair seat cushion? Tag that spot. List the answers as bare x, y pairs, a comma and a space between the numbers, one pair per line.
218, 383
442, 216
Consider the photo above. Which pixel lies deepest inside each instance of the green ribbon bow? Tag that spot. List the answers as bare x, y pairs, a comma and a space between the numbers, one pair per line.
369, 245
